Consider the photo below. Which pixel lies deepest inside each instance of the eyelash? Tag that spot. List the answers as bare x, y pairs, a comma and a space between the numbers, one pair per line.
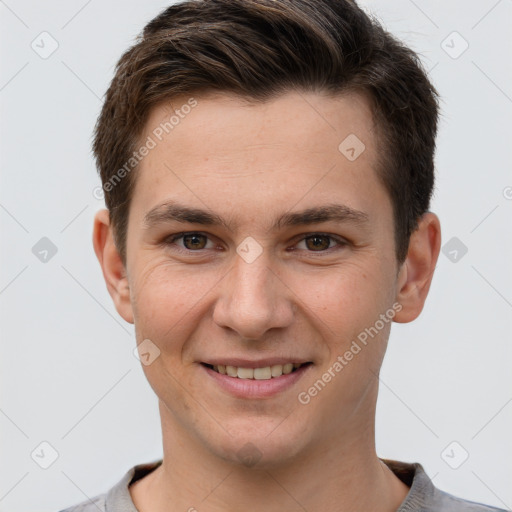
170, 240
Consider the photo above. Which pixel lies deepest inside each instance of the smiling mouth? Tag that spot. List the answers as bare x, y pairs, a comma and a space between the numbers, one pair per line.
265, 373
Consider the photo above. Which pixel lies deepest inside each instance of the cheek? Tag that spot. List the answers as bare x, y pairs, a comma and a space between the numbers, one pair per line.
347, 299
167, 300
347, 305
167, 303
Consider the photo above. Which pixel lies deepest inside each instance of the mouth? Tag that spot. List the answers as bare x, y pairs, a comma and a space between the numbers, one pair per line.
255, 382
264, 373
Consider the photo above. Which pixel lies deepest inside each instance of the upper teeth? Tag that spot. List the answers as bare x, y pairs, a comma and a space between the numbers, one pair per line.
256, 373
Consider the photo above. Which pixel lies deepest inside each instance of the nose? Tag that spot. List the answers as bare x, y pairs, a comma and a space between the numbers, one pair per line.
253, 299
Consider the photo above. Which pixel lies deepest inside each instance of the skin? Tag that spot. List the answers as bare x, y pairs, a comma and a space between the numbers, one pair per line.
250, 163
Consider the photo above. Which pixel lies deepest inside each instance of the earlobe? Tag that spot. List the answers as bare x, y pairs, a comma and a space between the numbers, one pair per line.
114, 271
417, 271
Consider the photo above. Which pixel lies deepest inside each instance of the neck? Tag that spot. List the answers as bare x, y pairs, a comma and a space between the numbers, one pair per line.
336, 473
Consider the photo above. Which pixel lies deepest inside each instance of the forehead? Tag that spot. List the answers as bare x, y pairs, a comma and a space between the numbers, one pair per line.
306, 116
273, 152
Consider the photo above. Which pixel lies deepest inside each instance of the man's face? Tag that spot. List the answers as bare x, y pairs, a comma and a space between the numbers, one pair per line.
253, 288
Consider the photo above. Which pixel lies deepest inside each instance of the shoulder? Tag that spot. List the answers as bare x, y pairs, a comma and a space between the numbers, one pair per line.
424, 496
117, 498
449, 503
96, 504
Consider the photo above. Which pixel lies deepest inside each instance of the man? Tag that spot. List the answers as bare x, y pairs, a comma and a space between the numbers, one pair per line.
268, 168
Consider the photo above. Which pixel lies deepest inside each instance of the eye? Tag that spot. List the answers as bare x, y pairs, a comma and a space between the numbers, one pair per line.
196, 242
191, 241
319, 242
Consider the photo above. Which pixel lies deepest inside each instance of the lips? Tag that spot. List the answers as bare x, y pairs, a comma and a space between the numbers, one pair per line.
262, 385
251, 372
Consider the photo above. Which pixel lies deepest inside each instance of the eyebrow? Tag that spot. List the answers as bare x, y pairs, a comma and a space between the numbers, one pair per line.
173, 211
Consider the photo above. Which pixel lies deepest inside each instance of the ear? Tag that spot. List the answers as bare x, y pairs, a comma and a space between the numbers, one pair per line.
418, 268
114, 271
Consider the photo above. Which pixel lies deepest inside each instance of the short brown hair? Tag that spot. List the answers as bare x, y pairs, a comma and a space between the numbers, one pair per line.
257, 49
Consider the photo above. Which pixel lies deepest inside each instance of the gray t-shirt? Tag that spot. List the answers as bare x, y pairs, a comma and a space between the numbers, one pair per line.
422, 495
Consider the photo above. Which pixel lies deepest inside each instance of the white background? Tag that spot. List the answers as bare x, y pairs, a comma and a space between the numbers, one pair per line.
68, 374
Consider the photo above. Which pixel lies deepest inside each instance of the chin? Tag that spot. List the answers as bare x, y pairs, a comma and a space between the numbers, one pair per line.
259, 446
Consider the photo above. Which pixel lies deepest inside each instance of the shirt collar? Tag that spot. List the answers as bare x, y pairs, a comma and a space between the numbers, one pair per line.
413, 475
